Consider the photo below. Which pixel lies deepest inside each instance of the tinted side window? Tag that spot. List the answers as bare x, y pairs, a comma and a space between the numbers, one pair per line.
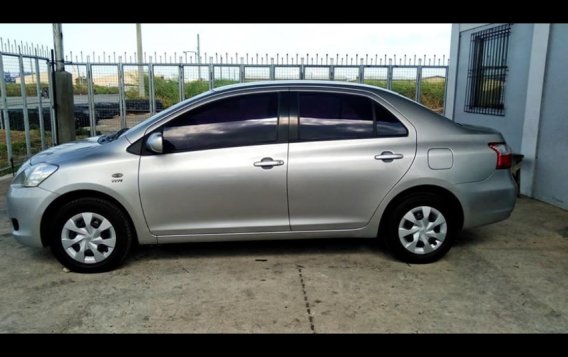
387, 124
238, 121
330, 116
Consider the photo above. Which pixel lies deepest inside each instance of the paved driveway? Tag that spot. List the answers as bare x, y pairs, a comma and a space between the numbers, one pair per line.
508, 277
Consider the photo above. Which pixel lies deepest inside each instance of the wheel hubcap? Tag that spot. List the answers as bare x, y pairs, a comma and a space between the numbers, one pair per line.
422, 230
88, 237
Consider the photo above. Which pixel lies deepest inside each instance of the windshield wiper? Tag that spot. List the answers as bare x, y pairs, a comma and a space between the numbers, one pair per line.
119, 133
112, 137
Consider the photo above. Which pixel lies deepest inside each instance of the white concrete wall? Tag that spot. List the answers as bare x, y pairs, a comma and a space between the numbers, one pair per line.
532, 117
551, 165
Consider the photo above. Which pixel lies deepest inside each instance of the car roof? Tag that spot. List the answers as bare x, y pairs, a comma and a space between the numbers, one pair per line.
301, 83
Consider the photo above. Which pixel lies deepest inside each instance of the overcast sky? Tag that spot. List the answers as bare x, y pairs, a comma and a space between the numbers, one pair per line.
332, 39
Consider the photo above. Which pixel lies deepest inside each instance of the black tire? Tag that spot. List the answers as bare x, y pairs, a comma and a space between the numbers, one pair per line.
407, 204
122, 232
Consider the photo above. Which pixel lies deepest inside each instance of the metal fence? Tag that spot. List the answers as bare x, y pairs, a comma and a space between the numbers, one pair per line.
27, 115
114, 91
116, 94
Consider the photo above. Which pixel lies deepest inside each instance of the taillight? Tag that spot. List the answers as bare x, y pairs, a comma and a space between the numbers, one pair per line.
504, 155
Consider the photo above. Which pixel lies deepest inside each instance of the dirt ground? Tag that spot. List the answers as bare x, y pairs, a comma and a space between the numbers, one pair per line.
507, 277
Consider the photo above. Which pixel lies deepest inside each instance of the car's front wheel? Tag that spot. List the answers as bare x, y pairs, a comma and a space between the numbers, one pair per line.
421, 228
90, 235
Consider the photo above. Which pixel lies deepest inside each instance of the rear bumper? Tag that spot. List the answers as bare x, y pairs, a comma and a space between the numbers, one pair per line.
488, 201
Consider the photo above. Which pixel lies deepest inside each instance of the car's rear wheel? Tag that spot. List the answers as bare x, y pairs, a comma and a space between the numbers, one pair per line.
421, 228
91, 235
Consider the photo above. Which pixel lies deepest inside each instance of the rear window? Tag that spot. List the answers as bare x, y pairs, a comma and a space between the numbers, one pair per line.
329, 116
334, 116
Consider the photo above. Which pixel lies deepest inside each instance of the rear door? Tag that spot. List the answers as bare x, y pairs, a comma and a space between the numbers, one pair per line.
346, 152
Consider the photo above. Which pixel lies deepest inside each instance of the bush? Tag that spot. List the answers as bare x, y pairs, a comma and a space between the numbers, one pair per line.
433, 94
432, 91
406, 88
14, 89
19, 146
167, 90
194, 88
83, 90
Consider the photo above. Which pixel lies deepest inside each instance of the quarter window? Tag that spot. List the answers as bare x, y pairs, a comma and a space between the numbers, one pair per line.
386, 124
237, 121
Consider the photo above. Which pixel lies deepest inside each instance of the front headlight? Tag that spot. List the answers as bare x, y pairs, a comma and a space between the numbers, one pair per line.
34, 175
23, 167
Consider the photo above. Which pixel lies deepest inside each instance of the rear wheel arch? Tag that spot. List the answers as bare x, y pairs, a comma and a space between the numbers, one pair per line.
52, 209
447, 196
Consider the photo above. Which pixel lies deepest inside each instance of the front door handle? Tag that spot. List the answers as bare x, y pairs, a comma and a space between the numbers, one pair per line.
388, 156
268, 162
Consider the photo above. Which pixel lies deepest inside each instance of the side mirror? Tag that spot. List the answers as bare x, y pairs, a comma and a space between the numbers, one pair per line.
155, 143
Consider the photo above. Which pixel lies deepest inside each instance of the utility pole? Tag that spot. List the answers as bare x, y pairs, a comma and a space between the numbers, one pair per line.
140, 59
58, 46
198, 51
198, 55
198, 58
64, 106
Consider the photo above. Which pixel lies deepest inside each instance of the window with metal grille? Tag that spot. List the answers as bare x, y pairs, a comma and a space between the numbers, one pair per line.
487, 71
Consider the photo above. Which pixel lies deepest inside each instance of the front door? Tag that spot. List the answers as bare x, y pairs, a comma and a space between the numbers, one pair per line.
223, 170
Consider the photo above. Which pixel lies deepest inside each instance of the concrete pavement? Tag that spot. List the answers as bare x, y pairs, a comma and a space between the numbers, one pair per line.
507, 277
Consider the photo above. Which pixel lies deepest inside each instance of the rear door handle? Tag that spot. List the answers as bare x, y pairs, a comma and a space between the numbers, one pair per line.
388, 156
268, 162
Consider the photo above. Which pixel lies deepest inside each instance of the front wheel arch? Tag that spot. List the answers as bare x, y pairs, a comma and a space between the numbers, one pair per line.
49, 214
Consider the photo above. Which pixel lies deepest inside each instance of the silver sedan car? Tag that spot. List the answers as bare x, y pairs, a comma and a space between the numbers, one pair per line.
268, 160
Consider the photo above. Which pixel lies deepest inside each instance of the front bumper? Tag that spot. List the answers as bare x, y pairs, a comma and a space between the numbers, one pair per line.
27, 205
488, 201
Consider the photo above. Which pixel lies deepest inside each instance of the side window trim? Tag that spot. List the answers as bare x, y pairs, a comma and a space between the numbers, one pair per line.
294, 116
284, 117
374, 111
